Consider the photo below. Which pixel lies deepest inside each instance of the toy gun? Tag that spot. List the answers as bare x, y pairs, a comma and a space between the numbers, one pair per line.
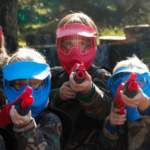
130, 90
22, 105
79, 70
131, 86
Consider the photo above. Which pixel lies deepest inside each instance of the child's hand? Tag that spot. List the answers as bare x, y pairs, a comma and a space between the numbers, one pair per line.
117, 119
140, 100
17, 119
85, 87
66, 92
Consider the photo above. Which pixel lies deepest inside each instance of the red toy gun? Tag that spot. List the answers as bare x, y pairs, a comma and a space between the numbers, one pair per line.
130, 90
131, 86
22, 105
79, 70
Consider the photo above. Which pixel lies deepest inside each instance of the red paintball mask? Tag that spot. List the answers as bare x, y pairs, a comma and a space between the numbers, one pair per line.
0, 34
76, 43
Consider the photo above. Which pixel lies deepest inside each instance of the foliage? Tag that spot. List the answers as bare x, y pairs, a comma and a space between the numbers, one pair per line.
110, 16
116, 31
146, 55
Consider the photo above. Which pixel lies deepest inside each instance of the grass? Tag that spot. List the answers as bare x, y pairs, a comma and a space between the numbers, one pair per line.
116, 31
146, 55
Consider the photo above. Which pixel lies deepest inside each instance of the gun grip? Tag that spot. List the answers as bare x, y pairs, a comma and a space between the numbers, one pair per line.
121, 129
20, 110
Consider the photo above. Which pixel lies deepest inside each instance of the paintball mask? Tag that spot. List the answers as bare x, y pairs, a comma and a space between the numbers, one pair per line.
28, 70
122, 74
76, 43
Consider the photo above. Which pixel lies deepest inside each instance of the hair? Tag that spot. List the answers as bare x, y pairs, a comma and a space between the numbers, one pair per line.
131, 61
3, 53
3, 61
77, 18
27, 54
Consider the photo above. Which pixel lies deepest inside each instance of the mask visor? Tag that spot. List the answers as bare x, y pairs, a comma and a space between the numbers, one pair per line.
26, 70
75, 29
82, 44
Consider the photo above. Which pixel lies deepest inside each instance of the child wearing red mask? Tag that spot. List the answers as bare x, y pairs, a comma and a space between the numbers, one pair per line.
87, 103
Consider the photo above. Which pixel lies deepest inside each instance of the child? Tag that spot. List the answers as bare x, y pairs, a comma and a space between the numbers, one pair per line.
3, 60
40, 128
87, 103
3, 51
3, 57
137, 108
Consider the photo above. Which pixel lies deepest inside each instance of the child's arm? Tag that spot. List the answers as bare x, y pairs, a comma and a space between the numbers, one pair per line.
141, 101
97, 102
115, 118
66, 92
109, 135
44, 135
19, 120
60, 95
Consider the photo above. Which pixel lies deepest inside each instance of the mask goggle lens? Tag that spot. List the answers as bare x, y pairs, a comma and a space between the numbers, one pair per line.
82, 44
141, 80
18, 84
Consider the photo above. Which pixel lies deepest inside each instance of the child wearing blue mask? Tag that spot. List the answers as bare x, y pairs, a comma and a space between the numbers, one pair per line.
40, 128
136, 117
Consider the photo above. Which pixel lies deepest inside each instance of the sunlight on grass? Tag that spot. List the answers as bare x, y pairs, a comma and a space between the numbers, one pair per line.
22, 43
146, 55
116, 31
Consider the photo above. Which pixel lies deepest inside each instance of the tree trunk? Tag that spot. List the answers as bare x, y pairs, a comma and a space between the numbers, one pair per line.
8, 22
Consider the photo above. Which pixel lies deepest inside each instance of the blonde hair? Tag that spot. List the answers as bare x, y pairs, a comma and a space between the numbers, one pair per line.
78, 18
131, 61
26, 54
3, 53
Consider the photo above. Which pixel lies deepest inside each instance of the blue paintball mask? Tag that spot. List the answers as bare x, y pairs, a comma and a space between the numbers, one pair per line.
121, 75
28, 70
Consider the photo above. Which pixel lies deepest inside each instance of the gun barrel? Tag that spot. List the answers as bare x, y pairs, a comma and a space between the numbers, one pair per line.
27, 102
24, 101
132, 77
79, 75
133, 86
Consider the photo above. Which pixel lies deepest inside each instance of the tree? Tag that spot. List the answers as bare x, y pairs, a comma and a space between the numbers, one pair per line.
8, 22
